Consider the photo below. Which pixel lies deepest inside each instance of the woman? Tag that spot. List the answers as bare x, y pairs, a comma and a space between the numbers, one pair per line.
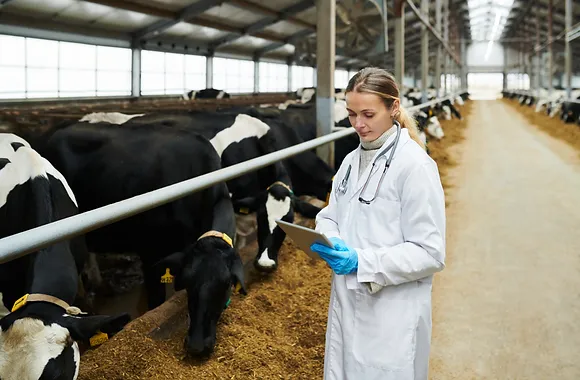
386, 219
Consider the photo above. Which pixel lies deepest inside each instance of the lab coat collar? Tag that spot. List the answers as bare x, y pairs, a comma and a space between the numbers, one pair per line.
356, 161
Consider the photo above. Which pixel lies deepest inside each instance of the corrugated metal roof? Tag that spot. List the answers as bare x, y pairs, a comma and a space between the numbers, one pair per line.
199, 33
232, 15
249, 25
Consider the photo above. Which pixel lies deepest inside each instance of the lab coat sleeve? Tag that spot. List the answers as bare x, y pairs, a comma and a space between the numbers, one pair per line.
326, 219
423, 227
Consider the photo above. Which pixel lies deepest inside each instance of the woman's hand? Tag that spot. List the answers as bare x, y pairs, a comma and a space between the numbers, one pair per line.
342, 261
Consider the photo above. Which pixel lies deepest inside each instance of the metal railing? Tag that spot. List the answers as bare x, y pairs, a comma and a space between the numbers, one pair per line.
531, 93
23, 243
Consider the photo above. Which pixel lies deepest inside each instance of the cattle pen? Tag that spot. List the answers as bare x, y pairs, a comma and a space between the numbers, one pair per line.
147, 148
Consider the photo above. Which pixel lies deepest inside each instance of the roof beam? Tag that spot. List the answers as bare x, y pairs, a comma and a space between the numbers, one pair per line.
185, 14
288, 40
227, 28
134, 7
285, 14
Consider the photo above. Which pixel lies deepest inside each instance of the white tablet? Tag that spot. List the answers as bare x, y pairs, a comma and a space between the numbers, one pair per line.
304, 237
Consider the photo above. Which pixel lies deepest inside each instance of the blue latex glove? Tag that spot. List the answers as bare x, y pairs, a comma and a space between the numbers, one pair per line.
341, 261
339, 244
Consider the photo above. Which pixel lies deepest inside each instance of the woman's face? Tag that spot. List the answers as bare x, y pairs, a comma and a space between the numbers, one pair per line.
368, 114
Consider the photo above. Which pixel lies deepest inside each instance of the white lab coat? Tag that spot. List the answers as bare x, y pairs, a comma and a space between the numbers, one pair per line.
400, 241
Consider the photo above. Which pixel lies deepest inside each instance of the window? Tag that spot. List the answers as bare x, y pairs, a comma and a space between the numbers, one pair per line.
302, 77
113, 71
233, 75
484, 85
518, 81
12, 67
170, 73
340, 78
273, 77
38, 68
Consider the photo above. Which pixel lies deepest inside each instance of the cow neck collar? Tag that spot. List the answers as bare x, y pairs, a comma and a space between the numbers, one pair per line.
280, 183
39, 297
218, 234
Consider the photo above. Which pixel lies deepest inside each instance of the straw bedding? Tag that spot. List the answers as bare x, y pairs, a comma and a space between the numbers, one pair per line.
567, 132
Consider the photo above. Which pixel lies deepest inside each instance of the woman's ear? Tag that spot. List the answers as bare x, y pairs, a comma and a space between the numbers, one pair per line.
395, 108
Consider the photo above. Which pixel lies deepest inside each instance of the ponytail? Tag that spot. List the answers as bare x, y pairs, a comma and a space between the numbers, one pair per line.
408, 122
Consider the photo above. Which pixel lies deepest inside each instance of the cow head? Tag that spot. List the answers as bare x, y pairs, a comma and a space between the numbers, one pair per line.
434, 128
39, 341
277, 202
207, 270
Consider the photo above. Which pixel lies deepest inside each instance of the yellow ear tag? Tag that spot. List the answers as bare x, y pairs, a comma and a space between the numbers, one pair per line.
167, 278
244, 210
238, 287
19, 303
98, 339
227, 239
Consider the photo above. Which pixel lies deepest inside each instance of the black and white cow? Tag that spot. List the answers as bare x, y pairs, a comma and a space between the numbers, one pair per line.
238, 137
39, 338
106, 163
207, 93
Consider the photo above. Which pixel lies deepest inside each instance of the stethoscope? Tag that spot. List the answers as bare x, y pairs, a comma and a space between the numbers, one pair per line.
343, 185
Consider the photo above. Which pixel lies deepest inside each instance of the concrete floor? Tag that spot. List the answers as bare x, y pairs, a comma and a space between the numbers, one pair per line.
507, 306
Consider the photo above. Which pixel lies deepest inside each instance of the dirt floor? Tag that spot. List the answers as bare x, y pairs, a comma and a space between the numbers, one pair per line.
567, 132
275, 332
507, 305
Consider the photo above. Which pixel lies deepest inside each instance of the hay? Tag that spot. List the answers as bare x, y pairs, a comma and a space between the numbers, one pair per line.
277, 331
440, 150
567, 132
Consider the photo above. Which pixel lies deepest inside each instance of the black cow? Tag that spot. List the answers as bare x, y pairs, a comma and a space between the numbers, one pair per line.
38, 339
269, 191
300, 120
106, 163
570, 112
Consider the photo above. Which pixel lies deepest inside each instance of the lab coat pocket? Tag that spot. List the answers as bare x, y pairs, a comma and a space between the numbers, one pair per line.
384, 331
382, 223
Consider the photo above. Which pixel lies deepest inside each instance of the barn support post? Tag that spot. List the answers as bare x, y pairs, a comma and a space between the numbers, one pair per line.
289, 64
446, 38
437, 79
505, 66
568, 51
209, 71
256, 75
136, 72
424, 52
550, 49
538, 56
463, 65
325, 66
400, 41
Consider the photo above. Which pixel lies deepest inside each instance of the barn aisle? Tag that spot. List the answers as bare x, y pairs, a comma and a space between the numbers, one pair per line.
508, 304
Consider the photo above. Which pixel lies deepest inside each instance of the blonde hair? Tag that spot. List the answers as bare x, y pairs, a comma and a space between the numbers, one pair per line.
380, 82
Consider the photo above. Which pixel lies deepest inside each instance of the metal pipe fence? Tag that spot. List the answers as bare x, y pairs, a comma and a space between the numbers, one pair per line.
23, 243
531, 93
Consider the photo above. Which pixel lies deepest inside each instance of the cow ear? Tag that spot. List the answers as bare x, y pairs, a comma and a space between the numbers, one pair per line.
237, 271
304, 208
83, 328
170, 269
